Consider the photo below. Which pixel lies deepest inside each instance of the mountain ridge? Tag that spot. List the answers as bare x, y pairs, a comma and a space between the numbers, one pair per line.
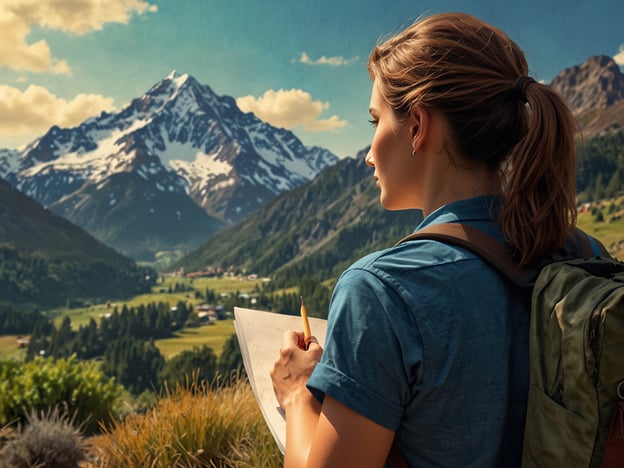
97, 206
187, 142
315, 230
46, 260
594, 90
325, 240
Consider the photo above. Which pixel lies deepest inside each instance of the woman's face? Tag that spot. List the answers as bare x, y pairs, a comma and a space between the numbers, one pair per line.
390, 155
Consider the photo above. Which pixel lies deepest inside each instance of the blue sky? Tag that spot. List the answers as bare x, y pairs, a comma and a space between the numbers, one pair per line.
298, 64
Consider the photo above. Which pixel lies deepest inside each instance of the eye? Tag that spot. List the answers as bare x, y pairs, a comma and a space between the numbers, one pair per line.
373, 122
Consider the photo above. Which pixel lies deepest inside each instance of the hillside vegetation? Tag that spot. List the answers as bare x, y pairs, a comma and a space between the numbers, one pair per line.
314, 231
48, 261
605, 221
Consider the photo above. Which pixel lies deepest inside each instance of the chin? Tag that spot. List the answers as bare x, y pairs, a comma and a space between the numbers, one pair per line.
394, 206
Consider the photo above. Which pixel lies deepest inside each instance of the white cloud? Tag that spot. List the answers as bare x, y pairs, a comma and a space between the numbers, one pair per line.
332, 61
289, 109
35, 110
619, 57
73, 17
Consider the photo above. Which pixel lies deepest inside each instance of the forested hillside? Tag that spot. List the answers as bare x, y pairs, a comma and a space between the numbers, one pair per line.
314, 231
600, 167
45, 260
319, 229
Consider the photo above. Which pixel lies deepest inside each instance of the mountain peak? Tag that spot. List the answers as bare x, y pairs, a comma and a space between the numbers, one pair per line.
596, 84
191, 151
178, 79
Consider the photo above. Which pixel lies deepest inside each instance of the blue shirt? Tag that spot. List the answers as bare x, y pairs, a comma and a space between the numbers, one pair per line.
427, 340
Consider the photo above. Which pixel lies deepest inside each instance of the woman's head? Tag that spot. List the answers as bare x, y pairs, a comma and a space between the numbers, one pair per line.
472, 73
457, 64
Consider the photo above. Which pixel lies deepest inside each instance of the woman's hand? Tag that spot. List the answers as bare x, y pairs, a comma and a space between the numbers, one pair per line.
293, 368
327, 435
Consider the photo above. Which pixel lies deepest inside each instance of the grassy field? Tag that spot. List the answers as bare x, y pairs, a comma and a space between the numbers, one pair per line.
214, 335
610, 231
9, 349
81, 315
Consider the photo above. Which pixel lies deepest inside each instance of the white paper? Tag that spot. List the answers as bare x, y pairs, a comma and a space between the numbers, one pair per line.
260, 337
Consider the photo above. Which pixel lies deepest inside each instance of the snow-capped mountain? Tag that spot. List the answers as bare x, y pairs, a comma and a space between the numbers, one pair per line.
183, 140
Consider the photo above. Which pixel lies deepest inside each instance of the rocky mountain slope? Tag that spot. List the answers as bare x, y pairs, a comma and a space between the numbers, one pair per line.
320, 228
186, 147
313, 231
595, 92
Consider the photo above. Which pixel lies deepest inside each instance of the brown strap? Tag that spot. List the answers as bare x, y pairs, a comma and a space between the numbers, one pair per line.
494, 252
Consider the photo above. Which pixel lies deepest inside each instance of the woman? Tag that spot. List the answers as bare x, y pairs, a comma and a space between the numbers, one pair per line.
426, 348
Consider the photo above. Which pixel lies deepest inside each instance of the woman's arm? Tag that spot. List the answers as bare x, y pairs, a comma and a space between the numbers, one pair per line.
331, 435
346, 438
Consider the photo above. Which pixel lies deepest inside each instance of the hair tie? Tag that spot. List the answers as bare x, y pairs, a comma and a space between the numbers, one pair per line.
521, 86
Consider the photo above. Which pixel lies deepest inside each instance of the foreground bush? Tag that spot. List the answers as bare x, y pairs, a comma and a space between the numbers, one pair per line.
192, 427
80, 388
48, 439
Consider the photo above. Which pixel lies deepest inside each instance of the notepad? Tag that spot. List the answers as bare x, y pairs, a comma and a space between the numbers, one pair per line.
259, 335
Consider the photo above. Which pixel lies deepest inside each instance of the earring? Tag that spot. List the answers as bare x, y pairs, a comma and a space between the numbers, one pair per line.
413, 153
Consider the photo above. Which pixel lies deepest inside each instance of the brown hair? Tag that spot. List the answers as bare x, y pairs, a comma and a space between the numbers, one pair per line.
468, 70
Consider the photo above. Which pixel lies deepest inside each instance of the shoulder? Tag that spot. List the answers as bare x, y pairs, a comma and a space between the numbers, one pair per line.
580, 244
413, 256
411, 273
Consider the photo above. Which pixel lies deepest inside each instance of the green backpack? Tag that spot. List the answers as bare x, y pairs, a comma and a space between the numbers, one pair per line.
575, 412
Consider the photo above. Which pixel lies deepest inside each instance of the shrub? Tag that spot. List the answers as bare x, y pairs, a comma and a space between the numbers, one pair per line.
82, 388
49, 439
190, 427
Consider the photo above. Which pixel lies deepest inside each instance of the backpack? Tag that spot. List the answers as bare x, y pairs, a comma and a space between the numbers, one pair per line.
575, 411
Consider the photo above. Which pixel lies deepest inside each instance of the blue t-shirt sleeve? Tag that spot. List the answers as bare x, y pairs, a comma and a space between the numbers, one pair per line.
363, 364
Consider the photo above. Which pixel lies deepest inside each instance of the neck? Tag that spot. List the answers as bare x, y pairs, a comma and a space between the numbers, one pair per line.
456, 182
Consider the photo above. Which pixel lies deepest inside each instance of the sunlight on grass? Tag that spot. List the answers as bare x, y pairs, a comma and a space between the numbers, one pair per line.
224, 285
610, 231
9, 348
214, 335
188, 428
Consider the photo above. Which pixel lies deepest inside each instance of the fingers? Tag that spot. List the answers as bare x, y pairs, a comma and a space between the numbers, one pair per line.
291, 338
314, 348
313, 339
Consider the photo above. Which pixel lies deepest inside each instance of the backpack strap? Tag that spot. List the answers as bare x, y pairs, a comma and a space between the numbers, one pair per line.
499, 256
494, 252
585, 246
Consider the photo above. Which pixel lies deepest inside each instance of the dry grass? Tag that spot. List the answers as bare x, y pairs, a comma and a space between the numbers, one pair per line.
199, 427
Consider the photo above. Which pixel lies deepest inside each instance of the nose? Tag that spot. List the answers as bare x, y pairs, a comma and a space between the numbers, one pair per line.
369, 159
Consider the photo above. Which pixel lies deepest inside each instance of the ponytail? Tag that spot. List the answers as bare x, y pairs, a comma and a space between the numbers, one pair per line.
539, 207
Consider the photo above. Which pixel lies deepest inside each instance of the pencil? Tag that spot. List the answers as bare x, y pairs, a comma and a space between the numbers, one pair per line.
307, 334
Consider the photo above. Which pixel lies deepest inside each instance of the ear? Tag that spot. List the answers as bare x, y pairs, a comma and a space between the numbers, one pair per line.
420, 125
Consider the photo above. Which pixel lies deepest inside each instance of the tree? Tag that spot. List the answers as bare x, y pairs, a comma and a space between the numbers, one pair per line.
614, 185
134, 363
190, 366
230, 360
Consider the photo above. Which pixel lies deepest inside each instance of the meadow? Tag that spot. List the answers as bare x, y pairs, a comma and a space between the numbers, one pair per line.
604, 220
608, 226
213, 335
